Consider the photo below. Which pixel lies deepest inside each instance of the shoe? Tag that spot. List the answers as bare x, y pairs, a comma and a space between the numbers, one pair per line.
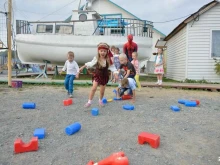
160, 83
101, 103
87, 105
70, 95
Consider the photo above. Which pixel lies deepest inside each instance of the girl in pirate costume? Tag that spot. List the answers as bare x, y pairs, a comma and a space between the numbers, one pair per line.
100, 77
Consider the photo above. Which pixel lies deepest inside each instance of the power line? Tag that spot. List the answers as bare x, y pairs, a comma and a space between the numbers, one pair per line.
56, 10
173, 19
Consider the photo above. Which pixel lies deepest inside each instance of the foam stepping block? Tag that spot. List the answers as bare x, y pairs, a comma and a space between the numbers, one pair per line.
115, 98
109, 100
126, 97
128, 107
175, 108
118, 158
73, 128
104, 101
190, 104
182, 101
40, 133
197, 102
152, 139
95, 111
67, 102
28, 105
20, 146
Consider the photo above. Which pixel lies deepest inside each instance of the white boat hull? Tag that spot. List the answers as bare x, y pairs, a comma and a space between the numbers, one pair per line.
36, 48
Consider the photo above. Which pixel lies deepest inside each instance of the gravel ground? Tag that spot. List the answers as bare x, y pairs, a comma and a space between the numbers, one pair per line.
191, 136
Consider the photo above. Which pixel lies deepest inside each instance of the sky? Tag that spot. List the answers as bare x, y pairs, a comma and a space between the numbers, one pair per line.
152, 10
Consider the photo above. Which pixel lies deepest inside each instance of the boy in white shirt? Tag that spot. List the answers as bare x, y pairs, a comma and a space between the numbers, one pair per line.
72, 72
129, 85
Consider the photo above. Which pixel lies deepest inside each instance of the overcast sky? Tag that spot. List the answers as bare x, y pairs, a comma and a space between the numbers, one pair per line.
152, 10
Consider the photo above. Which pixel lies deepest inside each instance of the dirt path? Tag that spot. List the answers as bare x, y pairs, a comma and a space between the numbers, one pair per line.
191, 136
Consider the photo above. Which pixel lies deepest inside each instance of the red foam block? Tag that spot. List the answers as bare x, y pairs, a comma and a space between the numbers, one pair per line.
152, 139
20, 146
67, 102
126, 97
117, 158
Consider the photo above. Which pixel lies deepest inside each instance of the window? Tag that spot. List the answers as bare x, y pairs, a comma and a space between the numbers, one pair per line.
44, 28
64, 29
215, 51
117, 31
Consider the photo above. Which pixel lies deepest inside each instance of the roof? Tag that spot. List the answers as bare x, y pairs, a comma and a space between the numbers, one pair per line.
69, 18
190, 18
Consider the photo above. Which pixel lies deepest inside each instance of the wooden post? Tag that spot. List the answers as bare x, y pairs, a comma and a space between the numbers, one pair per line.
9, 42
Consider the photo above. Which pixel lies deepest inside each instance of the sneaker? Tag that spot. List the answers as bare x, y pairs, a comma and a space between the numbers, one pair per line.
87, 105
101, 103
71, 96
160, 83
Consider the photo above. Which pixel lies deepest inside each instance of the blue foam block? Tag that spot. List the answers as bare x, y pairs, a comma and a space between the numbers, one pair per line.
128, 107
190, 104
73, 128
182, 101
95, 111
29, 105
175, 108
114, 91
104, 101
115, 98
40, 133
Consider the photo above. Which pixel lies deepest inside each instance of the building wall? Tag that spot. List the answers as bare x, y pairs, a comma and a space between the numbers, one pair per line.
106, 7
176, 56
200, 65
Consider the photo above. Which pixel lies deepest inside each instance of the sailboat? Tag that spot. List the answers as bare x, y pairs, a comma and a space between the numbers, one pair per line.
51, 40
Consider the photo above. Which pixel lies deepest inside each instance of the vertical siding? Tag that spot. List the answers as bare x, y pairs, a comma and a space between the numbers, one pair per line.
200, 65
176, 56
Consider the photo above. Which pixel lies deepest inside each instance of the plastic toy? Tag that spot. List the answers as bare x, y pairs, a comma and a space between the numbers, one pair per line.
20, 146
152, 139
29, 105
128, 107
118, 158
190, 104
95, 111
67, 102
73, 128
40, 133
175, 108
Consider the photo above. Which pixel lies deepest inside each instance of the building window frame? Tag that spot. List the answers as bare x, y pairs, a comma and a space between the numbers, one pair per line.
211, 43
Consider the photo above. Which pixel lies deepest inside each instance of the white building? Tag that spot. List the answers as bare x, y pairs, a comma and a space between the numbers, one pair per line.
109, 9
193, 44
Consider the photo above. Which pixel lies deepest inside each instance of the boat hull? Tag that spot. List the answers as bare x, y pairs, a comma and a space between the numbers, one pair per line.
36, 48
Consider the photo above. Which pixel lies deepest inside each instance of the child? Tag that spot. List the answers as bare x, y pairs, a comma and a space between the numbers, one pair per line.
136, 66
100, 77
159, 62
127, 84
113, 49
72, 72
116, 62
129, 70
116, 58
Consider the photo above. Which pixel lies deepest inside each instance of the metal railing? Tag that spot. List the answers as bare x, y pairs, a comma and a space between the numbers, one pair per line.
105, 26
123, 27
